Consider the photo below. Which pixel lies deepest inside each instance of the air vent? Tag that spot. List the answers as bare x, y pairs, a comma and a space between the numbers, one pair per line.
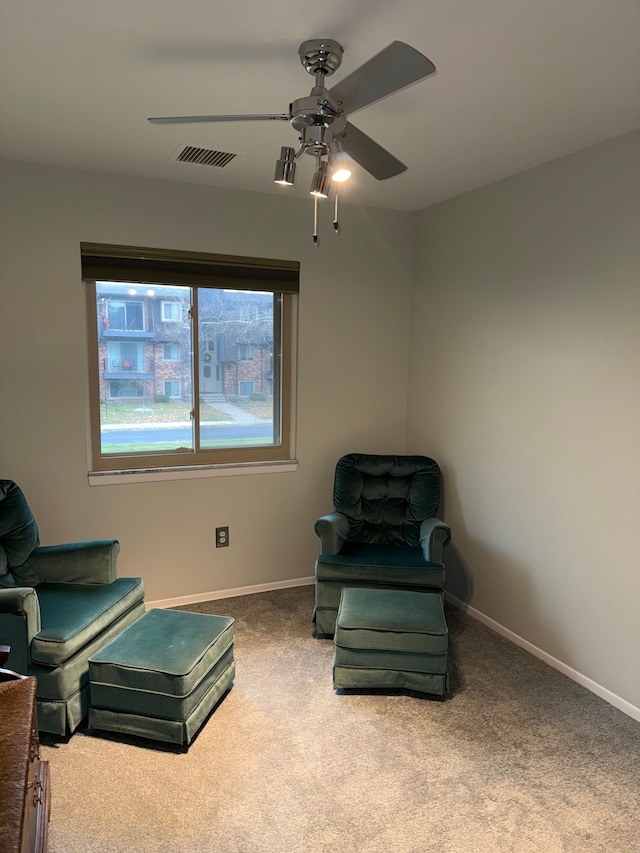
204, 156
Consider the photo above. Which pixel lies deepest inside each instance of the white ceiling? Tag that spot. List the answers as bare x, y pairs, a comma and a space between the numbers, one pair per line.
518, 83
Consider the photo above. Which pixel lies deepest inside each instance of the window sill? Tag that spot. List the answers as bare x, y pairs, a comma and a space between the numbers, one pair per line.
150, 475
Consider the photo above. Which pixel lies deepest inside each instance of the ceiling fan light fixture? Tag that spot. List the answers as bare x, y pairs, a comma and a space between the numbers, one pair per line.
286, 167
341, 170
320, 180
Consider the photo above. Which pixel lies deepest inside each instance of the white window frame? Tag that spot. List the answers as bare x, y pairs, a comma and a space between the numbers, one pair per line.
164, 352
126, 304
164, 310
246, 352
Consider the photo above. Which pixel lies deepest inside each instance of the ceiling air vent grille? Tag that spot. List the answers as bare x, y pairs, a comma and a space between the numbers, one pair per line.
204, 156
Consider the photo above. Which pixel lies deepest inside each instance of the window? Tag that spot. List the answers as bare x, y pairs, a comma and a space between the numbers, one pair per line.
123, 389
124, 316
171, 312
245, 353
124, 357
171, 352
210, 331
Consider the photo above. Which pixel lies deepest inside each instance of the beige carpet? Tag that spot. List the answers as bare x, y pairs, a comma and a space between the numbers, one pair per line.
518, 758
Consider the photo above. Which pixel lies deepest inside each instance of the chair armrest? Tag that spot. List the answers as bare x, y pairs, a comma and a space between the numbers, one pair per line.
333, 530
19, 623
434, 535
78, 562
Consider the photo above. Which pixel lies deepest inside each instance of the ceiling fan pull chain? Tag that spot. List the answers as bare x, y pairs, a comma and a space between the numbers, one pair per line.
336, 222
315, 222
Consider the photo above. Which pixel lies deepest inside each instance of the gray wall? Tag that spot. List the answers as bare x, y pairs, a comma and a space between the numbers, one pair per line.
524, 382
353, 342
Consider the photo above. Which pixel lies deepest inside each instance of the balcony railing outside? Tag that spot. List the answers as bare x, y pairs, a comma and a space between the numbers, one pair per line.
112, 365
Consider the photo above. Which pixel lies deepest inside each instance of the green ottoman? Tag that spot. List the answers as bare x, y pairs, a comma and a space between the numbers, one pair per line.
162, 676
388, 638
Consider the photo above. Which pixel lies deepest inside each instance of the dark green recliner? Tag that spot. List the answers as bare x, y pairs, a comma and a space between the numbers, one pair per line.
383, 533
58, 605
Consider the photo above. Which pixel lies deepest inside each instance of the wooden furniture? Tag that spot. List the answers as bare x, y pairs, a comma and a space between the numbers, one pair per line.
24, 777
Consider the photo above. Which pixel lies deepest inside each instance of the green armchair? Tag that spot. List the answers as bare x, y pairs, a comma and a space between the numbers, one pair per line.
59, 604
384, 532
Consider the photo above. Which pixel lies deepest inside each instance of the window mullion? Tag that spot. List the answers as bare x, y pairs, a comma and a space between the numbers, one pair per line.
195, 370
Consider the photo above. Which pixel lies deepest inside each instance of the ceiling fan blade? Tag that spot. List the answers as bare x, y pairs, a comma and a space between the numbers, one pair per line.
394, 68
201, 119
371, 156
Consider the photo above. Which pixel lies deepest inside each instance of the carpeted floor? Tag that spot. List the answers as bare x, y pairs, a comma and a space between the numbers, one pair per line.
518, 758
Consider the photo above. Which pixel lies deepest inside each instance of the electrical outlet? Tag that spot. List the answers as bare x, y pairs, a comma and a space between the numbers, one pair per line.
222, 537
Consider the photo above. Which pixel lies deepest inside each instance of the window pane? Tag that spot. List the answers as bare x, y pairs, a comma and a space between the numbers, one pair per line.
236, 337
189, 374
171, 352
123, 389
171, 311
144, 379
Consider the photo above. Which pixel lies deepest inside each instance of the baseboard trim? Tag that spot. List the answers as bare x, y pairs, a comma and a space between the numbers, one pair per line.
617, 701
183, 600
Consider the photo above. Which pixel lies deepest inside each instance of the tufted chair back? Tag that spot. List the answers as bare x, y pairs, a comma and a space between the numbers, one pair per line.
18, 537
386, 498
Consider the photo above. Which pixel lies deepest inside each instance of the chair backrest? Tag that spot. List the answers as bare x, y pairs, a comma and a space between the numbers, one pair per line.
386, 498
18, 536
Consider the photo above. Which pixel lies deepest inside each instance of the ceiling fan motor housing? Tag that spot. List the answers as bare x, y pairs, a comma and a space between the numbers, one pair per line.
320, 56
317, 118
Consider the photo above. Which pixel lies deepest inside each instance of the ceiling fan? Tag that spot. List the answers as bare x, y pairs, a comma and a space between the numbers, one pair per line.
321, 118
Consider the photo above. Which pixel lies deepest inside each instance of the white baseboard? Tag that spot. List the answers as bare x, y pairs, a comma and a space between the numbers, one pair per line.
227, 593
574, 675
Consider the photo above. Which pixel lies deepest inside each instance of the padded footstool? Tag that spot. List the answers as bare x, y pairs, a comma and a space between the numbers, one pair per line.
388, 638
162, 676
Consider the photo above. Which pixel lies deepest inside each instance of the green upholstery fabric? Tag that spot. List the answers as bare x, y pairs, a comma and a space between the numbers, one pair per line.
179, 732
383, 531
73, 614
385, 498
392, 620
347, 678
78, 604
391, 638
167, 651
162, 675
380, 564
19, 623
380, 659
60, 682
331, 592
77, 562
23, 603
165, 706
63, 691
18, 537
